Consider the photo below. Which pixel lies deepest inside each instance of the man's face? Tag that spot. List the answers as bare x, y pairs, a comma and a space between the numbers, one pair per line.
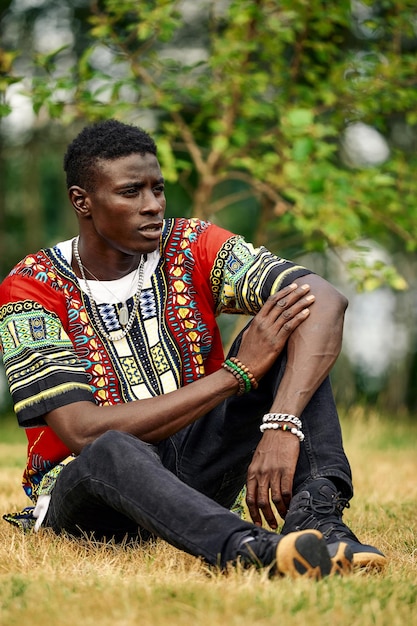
128, 204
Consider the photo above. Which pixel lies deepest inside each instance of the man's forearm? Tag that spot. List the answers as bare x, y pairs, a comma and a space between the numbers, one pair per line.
151, 420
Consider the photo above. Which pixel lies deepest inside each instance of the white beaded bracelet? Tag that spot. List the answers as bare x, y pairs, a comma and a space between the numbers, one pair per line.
282, 417
276, 426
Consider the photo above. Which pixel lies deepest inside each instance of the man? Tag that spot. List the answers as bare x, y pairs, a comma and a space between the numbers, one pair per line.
136, 424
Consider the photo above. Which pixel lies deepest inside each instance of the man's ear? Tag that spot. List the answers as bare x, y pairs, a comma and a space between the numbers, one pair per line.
78, 198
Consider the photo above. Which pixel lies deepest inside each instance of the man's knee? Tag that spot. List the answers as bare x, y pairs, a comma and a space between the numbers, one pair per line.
119, 449
114, 438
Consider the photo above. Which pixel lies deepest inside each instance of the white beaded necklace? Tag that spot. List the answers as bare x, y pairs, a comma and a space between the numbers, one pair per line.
125, 320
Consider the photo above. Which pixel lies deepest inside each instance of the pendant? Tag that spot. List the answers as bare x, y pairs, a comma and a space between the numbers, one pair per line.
123, 315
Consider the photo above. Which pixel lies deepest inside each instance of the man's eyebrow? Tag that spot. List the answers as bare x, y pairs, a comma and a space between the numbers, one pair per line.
140, 183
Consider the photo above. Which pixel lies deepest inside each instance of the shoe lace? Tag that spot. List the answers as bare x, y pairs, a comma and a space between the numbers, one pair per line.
328, 514
335, 504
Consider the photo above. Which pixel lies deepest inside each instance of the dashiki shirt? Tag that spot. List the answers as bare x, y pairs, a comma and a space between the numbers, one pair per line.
54, 354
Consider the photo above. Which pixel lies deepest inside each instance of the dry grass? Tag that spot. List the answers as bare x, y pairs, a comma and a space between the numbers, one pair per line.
44, 578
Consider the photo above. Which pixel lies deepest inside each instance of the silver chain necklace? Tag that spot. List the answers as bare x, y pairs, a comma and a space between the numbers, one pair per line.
125, 320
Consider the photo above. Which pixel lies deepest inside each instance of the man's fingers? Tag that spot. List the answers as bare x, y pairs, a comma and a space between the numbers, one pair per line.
284, 306
284, 326
294, 314
258, 500
281, 498
286, 300
269, 515
252, 501
281, 296
291, 308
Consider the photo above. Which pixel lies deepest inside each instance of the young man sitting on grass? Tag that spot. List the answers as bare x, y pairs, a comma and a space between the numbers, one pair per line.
137, 425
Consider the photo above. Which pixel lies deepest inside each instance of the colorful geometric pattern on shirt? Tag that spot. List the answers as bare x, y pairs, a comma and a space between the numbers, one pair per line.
147, 304
186, 320
39, 359
47, 483
249, 275
131, 370
239, 505
46, 455
24, 520
117, 370
217, 277
241, 257
26, 323
138, 360
159, 359
109, 317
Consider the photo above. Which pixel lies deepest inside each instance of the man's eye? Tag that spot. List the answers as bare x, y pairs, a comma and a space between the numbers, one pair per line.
159, 189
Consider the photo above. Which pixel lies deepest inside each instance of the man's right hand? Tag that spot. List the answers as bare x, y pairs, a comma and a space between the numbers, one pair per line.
266, 336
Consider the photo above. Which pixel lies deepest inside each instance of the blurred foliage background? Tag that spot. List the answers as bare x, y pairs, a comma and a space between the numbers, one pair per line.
291, 122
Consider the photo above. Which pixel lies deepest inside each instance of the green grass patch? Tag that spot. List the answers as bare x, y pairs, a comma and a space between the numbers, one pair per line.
57, 580
10, 431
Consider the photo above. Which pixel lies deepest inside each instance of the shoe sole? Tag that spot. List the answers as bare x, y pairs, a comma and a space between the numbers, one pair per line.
303, 554
369, 560
341, 557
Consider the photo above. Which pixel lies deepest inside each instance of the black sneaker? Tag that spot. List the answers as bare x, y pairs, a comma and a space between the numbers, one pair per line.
297, 554
321, 507
341, 556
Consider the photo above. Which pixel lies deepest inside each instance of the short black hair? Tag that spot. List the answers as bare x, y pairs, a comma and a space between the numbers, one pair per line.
109, 140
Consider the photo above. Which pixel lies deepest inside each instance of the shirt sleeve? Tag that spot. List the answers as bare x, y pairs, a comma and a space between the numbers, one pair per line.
243, 277
41, 366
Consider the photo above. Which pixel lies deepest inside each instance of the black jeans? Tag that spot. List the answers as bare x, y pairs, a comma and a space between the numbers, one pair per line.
181, 489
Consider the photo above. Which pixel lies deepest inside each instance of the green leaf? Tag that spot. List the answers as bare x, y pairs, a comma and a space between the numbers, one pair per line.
302, 148
300, 118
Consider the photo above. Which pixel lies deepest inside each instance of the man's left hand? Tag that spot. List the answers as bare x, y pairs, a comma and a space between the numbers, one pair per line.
270, 476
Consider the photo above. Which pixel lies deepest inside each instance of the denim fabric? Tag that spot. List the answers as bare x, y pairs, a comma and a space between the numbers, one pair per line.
181, 489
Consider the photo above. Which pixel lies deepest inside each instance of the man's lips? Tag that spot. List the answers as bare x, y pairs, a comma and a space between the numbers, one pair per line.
151, 230
153, 226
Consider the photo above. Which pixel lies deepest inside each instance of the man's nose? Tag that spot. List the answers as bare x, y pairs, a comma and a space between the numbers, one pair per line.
152, 203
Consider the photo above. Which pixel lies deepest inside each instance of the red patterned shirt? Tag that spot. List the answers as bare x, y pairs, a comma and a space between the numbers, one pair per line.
55, 354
